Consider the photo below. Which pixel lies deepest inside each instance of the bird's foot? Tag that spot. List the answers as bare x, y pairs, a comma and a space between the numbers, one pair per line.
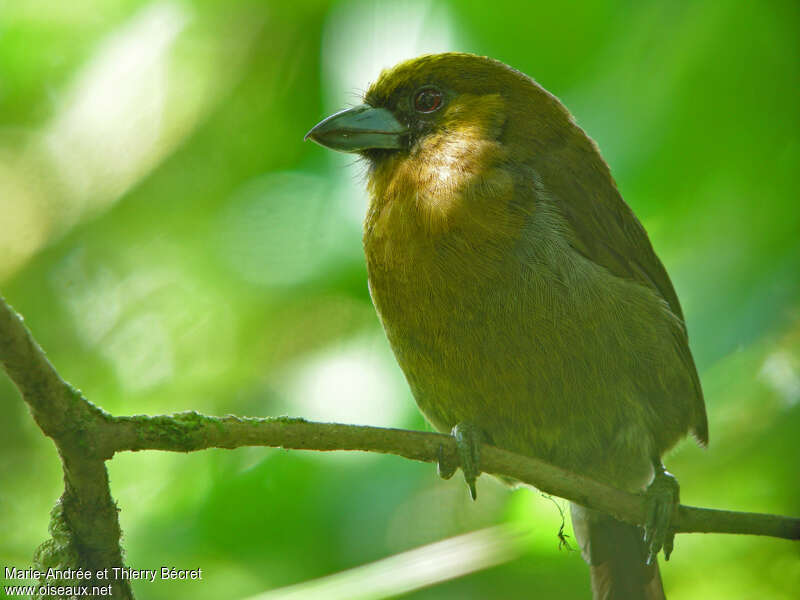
663, 497
446, 468
468, 440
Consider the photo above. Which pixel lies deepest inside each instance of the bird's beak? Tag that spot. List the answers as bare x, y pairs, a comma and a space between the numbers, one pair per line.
359, 128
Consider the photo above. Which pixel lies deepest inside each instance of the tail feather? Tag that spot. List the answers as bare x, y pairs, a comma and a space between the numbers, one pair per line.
616, 555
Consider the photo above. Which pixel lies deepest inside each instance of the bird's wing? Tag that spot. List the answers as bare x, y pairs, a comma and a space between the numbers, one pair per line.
608, 233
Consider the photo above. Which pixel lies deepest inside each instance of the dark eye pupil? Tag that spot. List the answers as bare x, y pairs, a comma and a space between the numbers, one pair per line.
428, 100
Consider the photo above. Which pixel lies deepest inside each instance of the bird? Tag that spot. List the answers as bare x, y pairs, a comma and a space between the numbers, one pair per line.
521, 295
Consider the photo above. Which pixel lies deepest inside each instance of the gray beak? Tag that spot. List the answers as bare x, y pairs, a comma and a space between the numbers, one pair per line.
359, 128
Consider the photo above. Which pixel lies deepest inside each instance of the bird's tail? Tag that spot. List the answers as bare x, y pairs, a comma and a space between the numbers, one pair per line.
616, 555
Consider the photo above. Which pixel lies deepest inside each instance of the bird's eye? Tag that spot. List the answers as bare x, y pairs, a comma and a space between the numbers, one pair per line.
428, 100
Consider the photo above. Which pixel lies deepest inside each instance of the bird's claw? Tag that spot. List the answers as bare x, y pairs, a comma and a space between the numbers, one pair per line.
663, 496
468, 439
445, 468
468, 442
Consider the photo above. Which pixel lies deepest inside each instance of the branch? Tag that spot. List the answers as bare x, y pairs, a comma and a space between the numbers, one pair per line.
85, 527
190, 431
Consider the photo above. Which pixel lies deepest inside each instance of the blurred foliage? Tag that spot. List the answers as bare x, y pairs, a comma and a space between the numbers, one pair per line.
173, 244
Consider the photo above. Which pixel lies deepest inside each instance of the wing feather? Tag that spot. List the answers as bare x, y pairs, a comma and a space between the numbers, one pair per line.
606, 231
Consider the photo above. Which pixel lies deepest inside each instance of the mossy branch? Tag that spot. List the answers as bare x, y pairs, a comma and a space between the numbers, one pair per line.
189, 431
86, 436
84, 525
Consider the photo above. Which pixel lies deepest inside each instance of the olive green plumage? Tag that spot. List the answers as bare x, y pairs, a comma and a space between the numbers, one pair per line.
517, 289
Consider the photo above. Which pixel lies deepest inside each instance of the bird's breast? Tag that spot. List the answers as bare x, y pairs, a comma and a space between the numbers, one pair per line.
467, 321
547, 352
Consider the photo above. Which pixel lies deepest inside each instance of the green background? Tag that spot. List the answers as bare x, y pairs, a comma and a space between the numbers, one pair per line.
173, 244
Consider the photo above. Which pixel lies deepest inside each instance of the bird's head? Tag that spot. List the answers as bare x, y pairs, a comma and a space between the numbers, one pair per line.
449, 134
